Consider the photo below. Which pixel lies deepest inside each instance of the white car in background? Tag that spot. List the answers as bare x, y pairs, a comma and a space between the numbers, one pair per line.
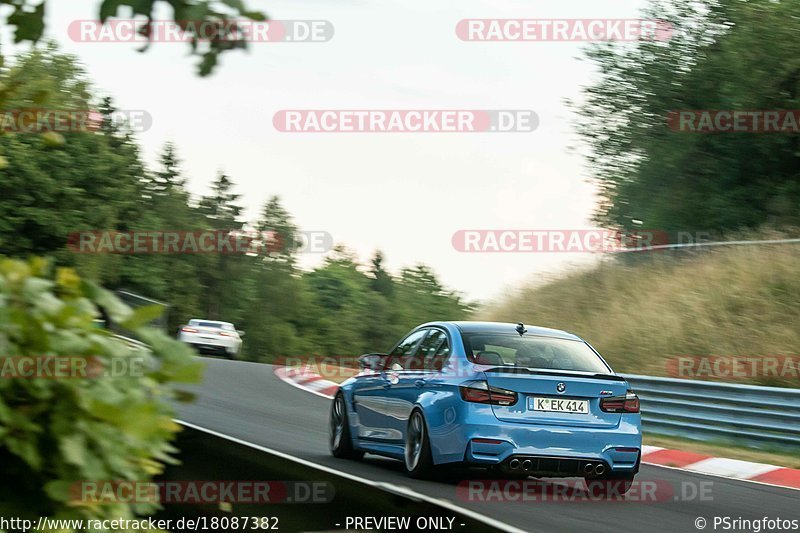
212, 337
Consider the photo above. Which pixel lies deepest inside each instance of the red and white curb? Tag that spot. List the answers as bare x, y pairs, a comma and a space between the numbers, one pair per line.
719, 466
304, 378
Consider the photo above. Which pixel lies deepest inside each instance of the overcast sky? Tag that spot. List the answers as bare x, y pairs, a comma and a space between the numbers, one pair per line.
403, 193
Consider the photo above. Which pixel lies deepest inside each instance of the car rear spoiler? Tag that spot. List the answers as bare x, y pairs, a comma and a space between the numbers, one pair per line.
524, 370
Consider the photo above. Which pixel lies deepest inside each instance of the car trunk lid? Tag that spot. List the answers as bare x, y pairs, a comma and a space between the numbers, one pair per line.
541, 399
208, 332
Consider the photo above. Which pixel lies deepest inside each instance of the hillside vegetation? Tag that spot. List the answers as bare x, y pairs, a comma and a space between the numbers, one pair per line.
643, 311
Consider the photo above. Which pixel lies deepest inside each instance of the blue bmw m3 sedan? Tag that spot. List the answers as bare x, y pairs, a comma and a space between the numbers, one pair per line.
521, 400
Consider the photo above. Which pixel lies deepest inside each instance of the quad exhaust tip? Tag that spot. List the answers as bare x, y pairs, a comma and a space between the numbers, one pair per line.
589, 469
594, 469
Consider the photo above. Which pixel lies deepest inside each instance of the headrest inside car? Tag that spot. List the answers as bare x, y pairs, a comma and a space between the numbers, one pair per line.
488, 358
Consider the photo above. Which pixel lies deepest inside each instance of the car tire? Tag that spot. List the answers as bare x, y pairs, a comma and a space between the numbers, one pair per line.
417, 457
341, 444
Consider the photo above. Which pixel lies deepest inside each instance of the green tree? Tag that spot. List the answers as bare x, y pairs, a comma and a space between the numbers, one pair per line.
49, 190
221, 212
165, 205
354, 318
275, 301
27, 17
423, 297
339, 291
167, 182
381, 280
340, 308
720, 57
220, 208
283, 237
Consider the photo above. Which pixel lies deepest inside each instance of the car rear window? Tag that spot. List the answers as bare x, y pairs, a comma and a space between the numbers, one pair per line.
530, 351
210, 324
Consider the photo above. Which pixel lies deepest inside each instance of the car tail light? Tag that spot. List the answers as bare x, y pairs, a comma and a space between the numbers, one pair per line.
481, 392
187, 329
621, 404
224, 334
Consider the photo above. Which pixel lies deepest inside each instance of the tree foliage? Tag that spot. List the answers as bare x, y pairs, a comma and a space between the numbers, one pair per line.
723, 55
97, 181
59, 429
27, 17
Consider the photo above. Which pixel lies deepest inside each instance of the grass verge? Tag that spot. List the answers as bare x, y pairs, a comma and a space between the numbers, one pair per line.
644, 311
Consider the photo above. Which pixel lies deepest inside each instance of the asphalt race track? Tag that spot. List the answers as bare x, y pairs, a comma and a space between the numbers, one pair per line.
247, 401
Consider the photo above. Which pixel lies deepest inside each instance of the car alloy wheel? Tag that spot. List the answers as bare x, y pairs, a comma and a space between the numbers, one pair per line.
340, 442
338, 422
414, 440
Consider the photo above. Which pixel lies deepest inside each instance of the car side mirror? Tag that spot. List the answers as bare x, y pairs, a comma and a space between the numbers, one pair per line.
240, 332
371, 361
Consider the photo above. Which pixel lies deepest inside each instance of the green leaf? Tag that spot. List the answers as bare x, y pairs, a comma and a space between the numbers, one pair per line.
109, 8
74, 449
255, 15
118, 311
207, 64
58, 489
238, 5
28, 450
30, 24
142, 316
140, 7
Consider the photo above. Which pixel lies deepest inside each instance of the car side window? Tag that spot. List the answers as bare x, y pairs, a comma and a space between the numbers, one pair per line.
433, 350
439, 359
398, 358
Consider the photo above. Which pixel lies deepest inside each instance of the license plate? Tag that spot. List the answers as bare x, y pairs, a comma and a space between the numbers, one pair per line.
559, 405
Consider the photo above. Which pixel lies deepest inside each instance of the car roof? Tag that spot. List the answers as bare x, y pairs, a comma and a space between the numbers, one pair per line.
468, 326
209, 320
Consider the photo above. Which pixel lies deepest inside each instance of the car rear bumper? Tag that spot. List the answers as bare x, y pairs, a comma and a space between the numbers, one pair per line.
206, 345
211, 349
555, 450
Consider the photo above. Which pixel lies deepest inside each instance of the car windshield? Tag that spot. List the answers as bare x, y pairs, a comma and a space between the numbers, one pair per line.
211, 324
530, 351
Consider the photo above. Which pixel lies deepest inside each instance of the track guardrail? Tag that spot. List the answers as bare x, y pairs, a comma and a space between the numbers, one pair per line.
745, 414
